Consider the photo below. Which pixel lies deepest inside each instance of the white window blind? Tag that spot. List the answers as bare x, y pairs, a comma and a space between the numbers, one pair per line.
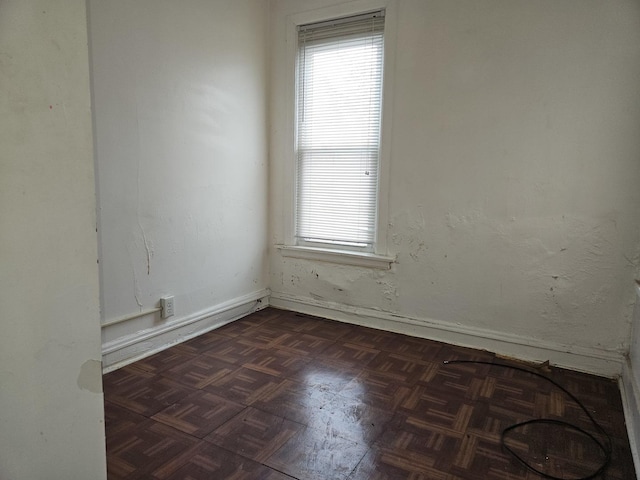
339, 82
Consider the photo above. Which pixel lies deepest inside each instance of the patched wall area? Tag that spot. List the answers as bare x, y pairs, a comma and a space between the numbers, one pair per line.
51, 405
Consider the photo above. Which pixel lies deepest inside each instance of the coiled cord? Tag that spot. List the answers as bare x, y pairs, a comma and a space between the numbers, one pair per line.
604, 446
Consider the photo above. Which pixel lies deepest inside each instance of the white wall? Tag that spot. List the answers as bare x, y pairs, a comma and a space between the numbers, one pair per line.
180, 95
630, 385
515, 165
51, 410
634, 354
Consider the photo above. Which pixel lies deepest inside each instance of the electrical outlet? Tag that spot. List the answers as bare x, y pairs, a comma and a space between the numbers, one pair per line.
167, 307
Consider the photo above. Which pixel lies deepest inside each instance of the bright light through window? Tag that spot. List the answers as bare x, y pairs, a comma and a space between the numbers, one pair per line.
338, 134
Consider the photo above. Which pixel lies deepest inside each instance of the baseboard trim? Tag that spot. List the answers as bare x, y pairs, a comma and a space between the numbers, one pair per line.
590, 360
131, 348
630, 391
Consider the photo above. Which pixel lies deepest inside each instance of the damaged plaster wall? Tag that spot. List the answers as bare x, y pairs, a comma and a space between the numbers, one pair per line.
51, 406
180, 118
515, 165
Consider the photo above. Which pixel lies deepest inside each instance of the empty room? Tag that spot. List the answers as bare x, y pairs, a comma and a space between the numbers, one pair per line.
320, 239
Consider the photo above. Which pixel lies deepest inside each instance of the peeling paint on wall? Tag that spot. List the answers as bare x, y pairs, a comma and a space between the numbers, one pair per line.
513, 204
90, 376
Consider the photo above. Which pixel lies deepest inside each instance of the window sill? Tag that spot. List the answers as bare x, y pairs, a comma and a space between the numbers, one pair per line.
344, 257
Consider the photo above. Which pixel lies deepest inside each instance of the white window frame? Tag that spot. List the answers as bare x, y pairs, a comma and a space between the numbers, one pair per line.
379, 258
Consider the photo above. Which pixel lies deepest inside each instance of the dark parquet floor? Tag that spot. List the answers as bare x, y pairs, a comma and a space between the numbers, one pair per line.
279, 395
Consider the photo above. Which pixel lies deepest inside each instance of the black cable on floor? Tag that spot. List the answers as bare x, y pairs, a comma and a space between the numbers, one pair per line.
605, 446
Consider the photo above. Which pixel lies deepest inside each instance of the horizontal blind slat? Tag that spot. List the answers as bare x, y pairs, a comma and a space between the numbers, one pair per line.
338, 131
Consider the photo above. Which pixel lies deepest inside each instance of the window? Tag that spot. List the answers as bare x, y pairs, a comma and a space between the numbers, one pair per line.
338, 130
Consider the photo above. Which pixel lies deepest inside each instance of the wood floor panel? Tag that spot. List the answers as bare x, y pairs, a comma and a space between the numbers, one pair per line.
149, 450
254, 434
277, 362
405, 458
399, 367
124, 378
150, 396
237, 350
318, 327
117, 419
211, 462
164, 360
417, 348
292, 401
301, 344
266, 336
244, 385
279, 395
350, 419
350, 355
371, 338
377, 389
323, 373
314, 455
198, 414
199, 372
203, 343
242, 327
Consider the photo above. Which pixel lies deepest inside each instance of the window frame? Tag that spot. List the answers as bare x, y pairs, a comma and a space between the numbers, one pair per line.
378, 258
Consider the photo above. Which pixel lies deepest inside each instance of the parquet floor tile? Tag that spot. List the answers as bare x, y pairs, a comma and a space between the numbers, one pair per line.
314, 455
242, 327
322, 373
211, 462
292, 400
349, 419
277, 362
236, 350
124, 378
164, 360
148, 450
198, 414
416, 348
149, 396
199, 372
371, 338
350, 355
254, 434
377, 389
301, 344
117, 419
315, 326
244, 385
203, 343
279, 396
398, 367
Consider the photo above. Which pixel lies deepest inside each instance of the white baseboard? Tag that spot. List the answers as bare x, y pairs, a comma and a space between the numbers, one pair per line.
585, 359
630, 391
130, 348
